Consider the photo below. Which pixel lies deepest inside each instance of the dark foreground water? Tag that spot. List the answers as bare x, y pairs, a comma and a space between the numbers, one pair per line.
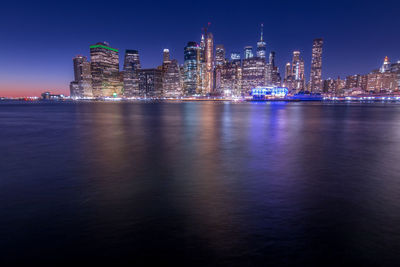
205, 184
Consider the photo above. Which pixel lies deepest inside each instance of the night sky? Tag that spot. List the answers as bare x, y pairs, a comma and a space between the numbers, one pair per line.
40, 38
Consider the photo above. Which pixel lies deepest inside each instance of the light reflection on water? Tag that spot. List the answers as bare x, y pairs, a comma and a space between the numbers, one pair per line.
206, 183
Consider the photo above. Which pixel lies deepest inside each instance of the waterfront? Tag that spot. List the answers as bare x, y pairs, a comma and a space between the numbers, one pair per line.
200, 183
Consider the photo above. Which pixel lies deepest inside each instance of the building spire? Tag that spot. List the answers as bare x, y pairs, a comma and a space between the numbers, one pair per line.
262, 32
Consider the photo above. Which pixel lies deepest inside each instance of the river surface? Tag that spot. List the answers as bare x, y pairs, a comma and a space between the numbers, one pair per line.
200, 183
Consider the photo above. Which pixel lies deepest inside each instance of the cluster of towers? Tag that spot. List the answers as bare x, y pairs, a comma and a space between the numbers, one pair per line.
208, 75
385, 80
102, 78
206, 72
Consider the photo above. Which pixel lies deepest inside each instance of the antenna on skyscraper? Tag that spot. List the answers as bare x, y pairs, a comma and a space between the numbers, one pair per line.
262, 32
205, 29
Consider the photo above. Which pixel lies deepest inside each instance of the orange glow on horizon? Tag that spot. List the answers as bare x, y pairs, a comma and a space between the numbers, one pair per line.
24, 89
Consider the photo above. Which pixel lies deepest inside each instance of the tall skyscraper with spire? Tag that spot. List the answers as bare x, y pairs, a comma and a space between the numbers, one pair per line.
261, 45
209, 63
201, 65
316, 66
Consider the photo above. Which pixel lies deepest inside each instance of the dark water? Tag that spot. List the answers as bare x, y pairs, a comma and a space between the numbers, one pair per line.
205, 184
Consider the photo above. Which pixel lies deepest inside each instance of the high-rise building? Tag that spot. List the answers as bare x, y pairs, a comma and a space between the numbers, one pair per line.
191, 70
201, 66
209, 63
219, 55
230, 76
261, 45
253, 74
273, 77
386, 65
395, 68
316, 66
329, 86
130, 74
353, 81
166, 58
298, 72
272, 58
81, 87
172, 79
235, 56
105, 70
150, 83
379, 82
248, 52
288, 70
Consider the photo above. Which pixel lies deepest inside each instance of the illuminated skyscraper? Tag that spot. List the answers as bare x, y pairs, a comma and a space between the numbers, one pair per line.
272, 58
81, 87
190, 76
253, 74
273, 76
150, 83
130, 74
201, 67
230, 78
386, 65
289, 80
105, 70
172, 79
379, 82
288, 70
316, 66
298, 71
166, 56
261, 45
248, 52
353, 81
219, 55
209, 61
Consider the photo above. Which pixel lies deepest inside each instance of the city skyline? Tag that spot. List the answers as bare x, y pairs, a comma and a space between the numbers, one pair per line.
348, 48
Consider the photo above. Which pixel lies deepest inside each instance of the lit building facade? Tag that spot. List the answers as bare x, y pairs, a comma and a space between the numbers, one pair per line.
105, 70
353, 81
166, 58
379, 82
150, 83
248, 52
192, 58
386, 65
172, 81
395, 68
81, 87
130, 74
316, 66
209, 64
235, 56
273, 77
298, 72
230, 76
219, 55
253, 74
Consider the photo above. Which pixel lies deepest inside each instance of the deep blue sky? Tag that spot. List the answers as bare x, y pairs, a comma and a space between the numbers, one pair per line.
40, 38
